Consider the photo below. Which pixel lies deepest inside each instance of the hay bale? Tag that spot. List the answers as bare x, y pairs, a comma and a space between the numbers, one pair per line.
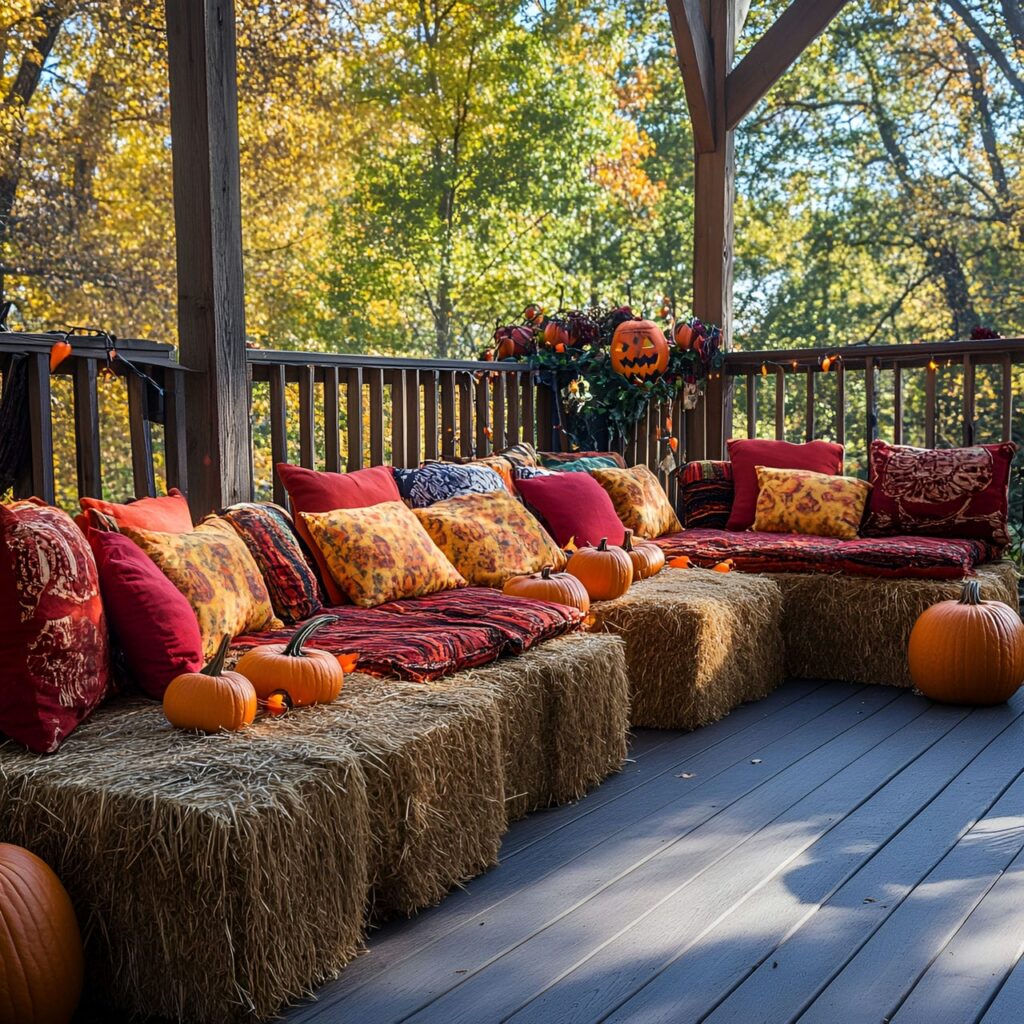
698, 643
187, 857
856, 628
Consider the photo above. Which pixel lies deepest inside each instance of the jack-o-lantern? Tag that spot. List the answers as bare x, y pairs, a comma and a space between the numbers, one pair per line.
639, 350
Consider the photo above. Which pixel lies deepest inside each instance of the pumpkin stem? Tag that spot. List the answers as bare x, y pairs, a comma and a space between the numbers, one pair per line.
216, 665
627, 544
603, 544
545, 573
971, 593
293, 649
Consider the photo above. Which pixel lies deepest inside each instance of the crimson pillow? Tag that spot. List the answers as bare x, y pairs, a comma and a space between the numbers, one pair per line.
573, 506
54, 651
168, 514
312, 491
745, 455
151, 620
941, 492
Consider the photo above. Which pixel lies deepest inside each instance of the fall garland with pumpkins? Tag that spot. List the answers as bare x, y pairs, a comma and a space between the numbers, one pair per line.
606, 365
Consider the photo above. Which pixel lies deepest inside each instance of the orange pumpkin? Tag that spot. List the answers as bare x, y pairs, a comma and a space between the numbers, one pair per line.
307, 677
59, 351
967, 651
555, 334
648, 559
212, 699
41, 966
558, 587
683, 334
605, 572
639, 350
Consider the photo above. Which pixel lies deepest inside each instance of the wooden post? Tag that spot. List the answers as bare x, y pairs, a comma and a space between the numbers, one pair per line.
208, 228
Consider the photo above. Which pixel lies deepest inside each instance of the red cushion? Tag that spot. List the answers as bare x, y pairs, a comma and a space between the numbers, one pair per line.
168, 514
54, 651
151, 620
423, 638
311, 491
943, 492
890, 557
574, 507
745, 455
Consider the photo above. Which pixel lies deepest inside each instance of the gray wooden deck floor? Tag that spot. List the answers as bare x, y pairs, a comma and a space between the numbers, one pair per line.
833, 854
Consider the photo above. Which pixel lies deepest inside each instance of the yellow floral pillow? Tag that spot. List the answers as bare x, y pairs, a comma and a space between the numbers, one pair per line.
640, 501
799, 501
380, 553
489, 537
213, 568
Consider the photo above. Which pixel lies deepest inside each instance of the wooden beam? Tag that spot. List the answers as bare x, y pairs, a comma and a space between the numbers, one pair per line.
208, 229
774, 53
693, 51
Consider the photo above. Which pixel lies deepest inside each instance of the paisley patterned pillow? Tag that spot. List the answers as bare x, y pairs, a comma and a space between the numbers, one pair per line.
501, 466
640, 501
522, 454
270, 536
212, 567
438, 481
818, 504
380, 553
490, 537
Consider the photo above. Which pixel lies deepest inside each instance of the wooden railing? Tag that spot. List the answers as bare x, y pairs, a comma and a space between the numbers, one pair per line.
118, 436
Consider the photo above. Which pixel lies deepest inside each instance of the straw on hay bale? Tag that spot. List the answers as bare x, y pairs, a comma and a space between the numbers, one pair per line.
187, 857
856, 628
698, 643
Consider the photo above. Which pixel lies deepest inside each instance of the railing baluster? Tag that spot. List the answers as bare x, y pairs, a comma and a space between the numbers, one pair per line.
512, 409
307, 418
841, 403
141, 438
375, 377
751, 405
929, 406
498, 423
278, 427
430, 446
809, 411
332, 426
870, 411
466, 395
354, 418
447, 382
412, 418
40, 483
1007, 417
483, 413
87, 428
697, 425
529, 422
897, 404
968, 399
545, 418
398, 418
780, 404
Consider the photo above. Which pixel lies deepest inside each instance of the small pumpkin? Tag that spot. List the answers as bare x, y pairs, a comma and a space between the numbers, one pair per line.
639, 350
555, 335
557, 587
605, 572
59, 351
41, 969
211, 699
307, 676
967, 651
648, 559
683, 335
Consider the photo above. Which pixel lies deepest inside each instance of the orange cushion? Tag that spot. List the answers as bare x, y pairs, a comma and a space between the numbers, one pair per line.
169, 514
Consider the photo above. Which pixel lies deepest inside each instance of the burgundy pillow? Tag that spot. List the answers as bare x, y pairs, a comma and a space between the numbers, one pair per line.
151, 620
941, 492
745, 455
573, 506
311, 491
54, 651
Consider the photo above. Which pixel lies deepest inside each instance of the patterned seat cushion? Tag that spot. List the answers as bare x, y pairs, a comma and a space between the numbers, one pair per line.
890, 557
428, 637
706, 490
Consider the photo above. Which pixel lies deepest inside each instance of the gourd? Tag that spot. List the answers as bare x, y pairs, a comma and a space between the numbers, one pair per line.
967, 651
605, 572
307, 676
648, 559
211, 699
41, 969
639, 350
559, 588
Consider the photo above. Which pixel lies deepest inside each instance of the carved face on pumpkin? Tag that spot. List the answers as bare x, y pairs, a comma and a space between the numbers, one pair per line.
639, 350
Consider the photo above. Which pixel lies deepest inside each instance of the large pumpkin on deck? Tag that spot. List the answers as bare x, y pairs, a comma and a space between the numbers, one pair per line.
967, 651
639, 350
41, 963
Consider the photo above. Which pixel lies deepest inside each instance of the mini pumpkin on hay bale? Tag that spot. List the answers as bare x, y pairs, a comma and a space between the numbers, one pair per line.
856, 628
698, 643
186, 856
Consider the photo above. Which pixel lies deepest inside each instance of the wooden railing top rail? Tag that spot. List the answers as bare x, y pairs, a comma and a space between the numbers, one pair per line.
152, 353
274, 357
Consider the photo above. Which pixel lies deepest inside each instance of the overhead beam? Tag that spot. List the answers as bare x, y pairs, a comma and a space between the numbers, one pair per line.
208, 227
774, 53
693, 50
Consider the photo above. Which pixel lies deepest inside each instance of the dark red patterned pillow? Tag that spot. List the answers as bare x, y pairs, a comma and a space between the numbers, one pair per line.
271, 539
940, 492
54, 651
706, 491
